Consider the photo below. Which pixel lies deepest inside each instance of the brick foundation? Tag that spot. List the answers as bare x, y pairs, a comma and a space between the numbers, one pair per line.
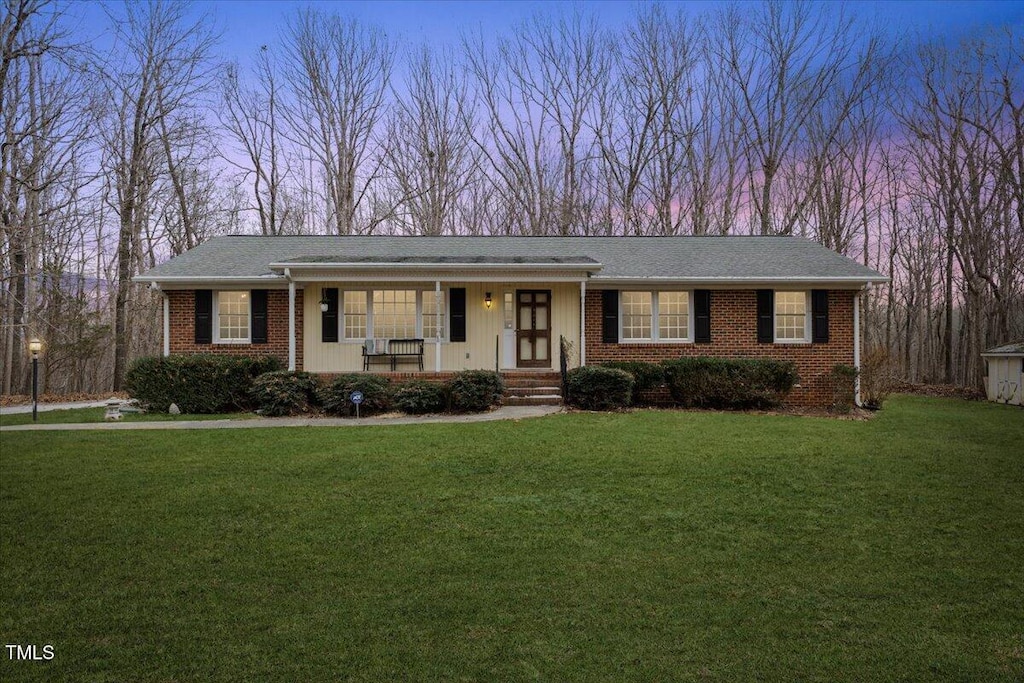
734, 335
183, 328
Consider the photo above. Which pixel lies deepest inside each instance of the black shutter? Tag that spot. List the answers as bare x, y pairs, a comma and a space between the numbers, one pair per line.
204, 316
258, 297
457, 311
610, 316
819, 316
765, 316
329, 318
702, 316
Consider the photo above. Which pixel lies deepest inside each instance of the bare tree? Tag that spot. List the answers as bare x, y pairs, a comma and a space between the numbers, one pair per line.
428, 154
160, 68
785, 60
339, 72
252, 116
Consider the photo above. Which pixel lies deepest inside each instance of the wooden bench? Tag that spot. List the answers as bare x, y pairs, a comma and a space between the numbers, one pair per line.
397, 350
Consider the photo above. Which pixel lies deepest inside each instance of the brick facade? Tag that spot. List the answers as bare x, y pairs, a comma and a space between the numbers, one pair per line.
182, 304
734, 335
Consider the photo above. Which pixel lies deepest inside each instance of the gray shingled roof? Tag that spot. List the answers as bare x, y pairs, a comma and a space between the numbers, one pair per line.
696, 258
1007, 349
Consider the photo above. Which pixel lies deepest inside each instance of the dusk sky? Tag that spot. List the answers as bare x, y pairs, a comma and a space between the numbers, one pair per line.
247, 24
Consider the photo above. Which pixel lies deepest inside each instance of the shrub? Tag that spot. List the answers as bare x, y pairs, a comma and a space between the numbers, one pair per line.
199, 383
728, 383
284, 393
376, 394
475, 391
844, 382
419, 397
876, 378
646, 376
594, 387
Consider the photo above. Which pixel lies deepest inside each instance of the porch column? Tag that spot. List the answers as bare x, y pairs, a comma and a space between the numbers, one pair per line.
291, 322
856, 348
167, 325
437, 326
583, 323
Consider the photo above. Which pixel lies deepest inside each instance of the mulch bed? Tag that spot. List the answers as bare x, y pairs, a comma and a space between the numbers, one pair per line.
939, 390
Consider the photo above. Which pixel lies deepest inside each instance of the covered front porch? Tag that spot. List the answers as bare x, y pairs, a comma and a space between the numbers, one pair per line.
429, 322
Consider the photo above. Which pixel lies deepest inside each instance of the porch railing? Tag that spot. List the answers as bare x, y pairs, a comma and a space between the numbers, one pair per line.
563, 366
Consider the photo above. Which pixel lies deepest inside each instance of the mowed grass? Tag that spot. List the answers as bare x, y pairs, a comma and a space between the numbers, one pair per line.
638, 547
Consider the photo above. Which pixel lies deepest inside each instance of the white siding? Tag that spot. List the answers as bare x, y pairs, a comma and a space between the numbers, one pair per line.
483, 327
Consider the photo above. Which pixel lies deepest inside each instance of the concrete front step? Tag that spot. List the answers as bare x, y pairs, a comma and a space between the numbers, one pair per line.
533, 383
533, 391
539, 400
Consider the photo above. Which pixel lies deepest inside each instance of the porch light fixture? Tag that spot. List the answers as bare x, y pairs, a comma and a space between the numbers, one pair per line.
324, 303
487, 300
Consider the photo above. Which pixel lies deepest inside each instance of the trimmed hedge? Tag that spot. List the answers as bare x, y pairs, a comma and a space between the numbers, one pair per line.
594, 387
646, 376
202, 383
281, 393
419, 397
731, 384
377, 395
474, 391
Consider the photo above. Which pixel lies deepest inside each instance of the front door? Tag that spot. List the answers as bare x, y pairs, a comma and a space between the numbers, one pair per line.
533, 328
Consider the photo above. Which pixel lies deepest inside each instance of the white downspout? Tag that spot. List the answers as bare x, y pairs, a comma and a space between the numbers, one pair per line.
856, 348
291, 320
167, 325
155, 286
437, 326
583, 323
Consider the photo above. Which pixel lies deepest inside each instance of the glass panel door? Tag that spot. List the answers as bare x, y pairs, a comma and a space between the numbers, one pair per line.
534, 329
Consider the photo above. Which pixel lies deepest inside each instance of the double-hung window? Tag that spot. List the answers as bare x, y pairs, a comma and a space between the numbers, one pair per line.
655, 316
392, 314
233, 317
791, 319
432, 314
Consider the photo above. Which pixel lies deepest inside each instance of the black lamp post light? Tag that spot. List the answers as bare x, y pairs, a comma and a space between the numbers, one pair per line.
35, 347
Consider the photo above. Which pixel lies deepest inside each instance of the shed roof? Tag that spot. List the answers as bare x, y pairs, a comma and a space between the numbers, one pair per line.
1011, 349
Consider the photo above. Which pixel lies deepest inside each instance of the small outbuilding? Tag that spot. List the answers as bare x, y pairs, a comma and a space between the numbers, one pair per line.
1005, 373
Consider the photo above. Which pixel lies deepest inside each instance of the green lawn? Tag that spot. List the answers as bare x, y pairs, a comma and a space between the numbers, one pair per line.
649, 546
78, 415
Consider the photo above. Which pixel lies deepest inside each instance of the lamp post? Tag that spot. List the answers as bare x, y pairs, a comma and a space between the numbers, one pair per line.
35, 346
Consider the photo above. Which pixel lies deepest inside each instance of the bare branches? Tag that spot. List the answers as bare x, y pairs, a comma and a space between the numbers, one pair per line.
339, 72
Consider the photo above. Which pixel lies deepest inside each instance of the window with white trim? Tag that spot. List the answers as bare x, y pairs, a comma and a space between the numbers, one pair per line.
636, 315
233, 317
430, 315
791, 319
394, 313
673, 316
355, 324
655, 316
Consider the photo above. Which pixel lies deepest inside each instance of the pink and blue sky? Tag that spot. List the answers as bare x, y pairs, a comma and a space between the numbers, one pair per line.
248, 24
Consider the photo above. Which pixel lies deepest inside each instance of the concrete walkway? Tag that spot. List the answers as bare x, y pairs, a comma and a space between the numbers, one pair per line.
43, 407
503, 413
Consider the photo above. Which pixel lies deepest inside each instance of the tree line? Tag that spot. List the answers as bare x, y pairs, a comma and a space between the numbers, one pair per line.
789, 118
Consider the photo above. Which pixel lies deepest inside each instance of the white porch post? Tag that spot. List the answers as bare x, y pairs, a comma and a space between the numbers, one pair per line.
856, 348
291, 320
583, 322
167, 325
437, 326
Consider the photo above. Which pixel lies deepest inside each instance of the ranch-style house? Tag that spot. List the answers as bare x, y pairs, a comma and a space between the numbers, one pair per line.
431, 306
